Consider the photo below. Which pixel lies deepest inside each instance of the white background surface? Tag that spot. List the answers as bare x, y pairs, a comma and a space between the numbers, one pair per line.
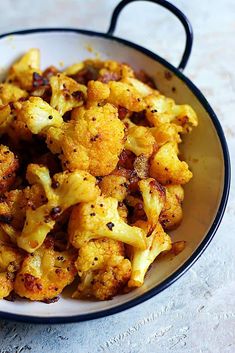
197, 313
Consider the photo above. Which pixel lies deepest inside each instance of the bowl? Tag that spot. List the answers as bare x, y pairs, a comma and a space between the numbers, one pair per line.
205, 150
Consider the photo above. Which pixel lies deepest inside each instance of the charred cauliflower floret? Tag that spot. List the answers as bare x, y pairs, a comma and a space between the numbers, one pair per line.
10, 259
9, 164
114, 186
172, 213
37, 115
66, 93
45, 273
98, 219
140, 140
21, 73
154, 197
157, 242
11, 93
102, 268
71, 188
92, 141
166, 167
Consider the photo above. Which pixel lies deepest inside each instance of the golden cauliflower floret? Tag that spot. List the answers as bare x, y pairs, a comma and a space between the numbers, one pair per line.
21, 73
10, 259
185, 117
166, 167
114, 71
114, 186
167, 132
125, 95
6, 117
172, 213
66, 190
37, 115
11, 93
140, 140
66, 93
9, 164
159, 109
154, 197
74, 69
13, 208
102, 268
45, 273
97, 91
143, 89
93, 142
157, 242
98, 219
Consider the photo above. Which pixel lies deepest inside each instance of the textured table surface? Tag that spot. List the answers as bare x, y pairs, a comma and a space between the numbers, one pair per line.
197, 313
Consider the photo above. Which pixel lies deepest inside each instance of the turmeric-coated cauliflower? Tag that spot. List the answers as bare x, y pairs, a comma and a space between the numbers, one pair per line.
154, 197
66, 190
103, 269
172, 213
44, 274
10, 259
21, 73
167, 132
115, 186
92, 141
11, 93
140, 140
166, 167
9, 165
66, 93
157, 242
98, 219
38, 115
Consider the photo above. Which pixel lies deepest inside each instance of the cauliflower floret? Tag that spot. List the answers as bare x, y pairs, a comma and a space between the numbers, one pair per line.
166, 167
21, 73
6, 117
10, 259
185, 117
98, 219
167, 132
97, 92
172, 213
73, 69
157, 242
125, 95
143, 89
102, 268
9, 164
13, 208
114, 186
66, 93
140, 140
71, 188
93, 142
38, 114
154, 197
11, 93
161, 110
44, 274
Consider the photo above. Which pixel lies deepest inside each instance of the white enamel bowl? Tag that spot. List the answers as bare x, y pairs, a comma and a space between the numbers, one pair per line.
205, 151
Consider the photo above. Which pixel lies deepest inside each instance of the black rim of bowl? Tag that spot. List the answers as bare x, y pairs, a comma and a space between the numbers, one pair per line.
208, 237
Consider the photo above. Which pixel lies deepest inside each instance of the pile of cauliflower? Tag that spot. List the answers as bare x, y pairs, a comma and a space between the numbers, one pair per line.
90, 178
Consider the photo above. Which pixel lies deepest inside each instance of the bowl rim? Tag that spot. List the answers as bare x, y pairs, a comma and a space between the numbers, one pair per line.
217, 219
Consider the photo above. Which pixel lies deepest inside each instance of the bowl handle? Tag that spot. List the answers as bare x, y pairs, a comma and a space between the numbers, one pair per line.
181, 17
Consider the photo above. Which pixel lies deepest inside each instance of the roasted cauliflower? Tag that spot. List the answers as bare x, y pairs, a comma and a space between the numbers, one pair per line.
100, 218
91, 177
88, 142
44, 274
102, 268
10, 259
